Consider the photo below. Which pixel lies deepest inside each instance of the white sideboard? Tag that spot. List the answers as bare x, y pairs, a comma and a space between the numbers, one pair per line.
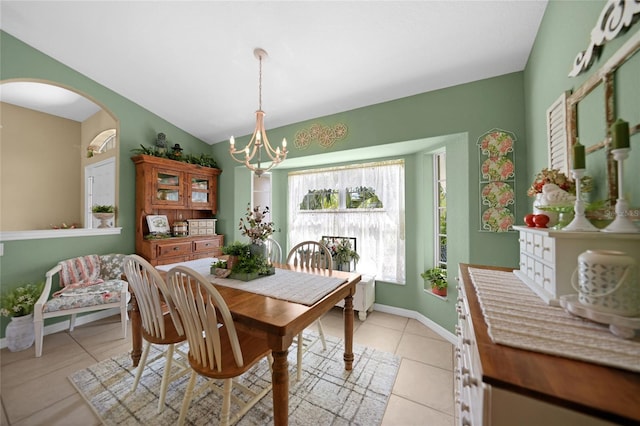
548, 257
365, 296
499, 385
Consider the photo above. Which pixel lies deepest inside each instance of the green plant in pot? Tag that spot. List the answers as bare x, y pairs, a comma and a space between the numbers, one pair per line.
106, 208
233, 251
104, 213
18, 304
438, 279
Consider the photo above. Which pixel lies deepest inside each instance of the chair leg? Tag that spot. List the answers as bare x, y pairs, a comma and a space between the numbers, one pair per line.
72, 322
321, 332
299, 368
187, 399
38, 327
124, 317
226, 402
141, 364
165, 378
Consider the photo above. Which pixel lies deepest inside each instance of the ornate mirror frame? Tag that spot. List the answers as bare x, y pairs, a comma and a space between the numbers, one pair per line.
606, 76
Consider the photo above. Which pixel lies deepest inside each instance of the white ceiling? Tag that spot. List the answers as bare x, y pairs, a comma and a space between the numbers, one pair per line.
192, 63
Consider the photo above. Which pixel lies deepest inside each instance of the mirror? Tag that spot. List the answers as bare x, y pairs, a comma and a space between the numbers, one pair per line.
598, 93
59, 157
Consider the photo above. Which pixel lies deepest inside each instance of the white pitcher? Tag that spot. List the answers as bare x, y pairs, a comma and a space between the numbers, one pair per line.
606, 281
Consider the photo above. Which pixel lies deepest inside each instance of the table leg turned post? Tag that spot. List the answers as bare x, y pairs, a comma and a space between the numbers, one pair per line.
280, 381
136, 331
348, 333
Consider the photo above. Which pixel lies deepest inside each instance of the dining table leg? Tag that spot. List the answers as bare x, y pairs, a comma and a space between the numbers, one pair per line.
280, 383
348, 333
136, 331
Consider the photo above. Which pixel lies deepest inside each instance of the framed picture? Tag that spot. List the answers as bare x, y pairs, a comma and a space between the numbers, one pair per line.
158, 224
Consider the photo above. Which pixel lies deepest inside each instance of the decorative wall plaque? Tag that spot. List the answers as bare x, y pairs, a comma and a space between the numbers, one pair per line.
325, 136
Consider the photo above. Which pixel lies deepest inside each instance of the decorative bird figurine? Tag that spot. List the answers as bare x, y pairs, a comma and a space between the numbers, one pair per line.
552, 195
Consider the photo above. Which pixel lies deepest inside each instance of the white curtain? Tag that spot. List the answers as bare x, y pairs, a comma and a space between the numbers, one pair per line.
379, 233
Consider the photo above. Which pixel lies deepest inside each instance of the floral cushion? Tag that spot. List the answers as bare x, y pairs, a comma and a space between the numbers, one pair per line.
111, 266
82, 297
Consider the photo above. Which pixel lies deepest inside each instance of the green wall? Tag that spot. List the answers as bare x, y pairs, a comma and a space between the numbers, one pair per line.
564, 32
28, 260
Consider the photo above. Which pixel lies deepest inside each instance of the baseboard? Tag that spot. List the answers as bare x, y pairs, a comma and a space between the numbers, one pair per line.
443, 332
80, 320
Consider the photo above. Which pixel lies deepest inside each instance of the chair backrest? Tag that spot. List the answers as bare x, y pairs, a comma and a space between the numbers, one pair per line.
311, 254
151, 293
274, 250
206, 318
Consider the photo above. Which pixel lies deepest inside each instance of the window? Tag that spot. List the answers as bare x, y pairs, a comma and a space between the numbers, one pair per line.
440, 210
379, 231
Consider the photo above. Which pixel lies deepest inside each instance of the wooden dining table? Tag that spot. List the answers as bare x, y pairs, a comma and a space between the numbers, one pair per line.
279, 322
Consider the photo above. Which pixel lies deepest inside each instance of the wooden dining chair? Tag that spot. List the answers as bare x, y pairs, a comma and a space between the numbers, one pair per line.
315, 255
161, 323
216, 349
274, 250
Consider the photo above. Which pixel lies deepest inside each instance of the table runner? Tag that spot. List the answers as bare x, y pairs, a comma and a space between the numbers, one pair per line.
291, 286
517, 317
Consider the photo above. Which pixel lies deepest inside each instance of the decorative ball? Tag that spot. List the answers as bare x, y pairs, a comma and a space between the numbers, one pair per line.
528, 220
541, 220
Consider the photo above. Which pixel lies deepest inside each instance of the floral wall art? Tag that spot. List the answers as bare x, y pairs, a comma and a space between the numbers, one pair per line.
325, 136
497, 180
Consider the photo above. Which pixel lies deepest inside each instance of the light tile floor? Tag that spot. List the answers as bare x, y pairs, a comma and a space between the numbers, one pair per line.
36, 391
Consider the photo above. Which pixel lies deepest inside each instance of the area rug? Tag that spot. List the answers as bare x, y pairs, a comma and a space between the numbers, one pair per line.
326, 394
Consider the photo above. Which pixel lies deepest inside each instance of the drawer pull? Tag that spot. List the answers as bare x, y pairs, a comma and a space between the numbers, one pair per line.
469, 381
176, 248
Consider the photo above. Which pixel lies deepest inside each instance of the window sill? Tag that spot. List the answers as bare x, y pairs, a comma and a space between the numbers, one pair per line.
429, 292
41, 234
376, 210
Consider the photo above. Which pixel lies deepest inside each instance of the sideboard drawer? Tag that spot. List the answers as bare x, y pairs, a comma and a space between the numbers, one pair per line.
174, 249
206, 245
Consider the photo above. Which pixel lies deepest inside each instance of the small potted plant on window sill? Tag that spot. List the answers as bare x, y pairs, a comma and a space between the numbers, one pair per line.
104, 213
438, 279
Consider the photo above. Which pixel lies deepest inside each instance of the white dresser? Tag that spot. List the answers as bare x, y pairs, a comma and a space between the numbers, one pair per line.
499, 385
548, 258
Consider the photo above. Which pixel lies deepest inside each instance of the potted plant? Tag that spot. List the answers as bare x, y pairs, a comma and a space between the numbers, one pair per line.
18, 304
256, 228
438, 279
342, 253
103, 213
233, 252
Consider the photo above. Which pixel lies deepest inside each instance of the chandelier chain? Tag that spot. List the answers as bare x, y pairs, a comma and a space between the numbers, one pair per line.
260, 86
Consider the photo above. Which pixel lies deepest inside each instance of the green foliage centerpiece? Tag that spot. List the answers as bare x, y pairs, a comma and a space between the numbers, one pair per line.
248, 261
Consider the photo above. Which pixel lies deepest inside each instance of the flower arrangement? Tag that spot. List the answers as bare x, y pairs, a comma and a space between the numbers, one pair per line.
550, 176
254, 226
20, 301
555, 176
341, 250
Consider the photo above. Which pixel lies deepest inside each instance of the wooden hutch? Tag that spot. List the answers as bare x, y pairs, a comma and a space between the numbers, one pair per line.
182, 192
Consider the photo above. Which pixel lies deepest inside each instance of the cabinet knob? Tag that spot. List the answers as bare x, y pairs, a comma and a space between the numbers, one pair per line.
176, 248
469, 381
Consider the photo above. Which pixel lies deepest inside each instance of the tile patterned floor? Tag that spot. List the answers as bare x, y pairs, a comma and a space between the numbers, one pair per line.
36, 391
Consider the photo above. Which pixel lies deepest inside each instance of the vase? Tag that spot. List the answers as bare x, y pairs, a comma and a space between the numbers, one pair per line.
553, 216
258, 250
19, 333
104, 219
606, 281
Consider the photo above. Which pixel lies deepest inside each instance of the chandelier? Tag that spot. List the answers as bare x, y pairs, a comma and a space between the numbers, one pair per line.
259, 142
